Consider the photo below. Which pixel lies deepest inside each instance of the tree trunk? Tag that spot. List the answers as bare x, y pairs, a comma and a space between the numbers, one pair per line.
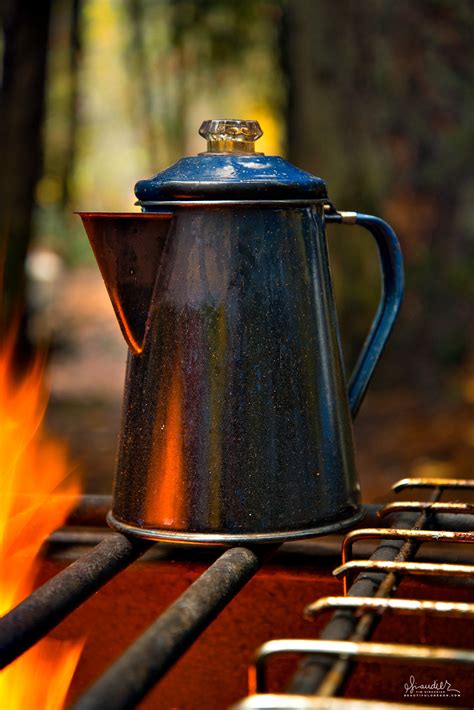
379, 104
72, 114
25, 32
142, 79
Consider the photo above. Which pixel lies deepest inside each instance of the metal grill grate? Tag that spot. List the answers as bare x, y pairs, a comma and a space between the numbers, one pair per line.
328, 662
324, 673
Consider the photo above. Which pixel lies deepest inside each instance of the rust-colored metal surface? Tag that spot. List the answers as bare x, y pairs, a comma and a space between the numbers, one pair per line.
213, 674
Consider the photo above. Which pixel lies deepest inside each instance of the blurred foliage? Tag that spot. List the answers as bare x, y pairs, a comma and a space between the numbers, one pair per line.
376, 97
150, 71
380, 102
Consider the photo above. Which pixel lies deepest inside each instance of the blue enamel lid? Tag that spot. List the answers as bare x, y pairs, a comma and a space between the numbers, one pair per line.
231, 170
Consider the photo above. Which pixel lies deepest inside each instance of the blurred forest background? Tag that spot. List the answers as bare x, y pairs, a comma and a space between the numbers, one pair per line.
374, 96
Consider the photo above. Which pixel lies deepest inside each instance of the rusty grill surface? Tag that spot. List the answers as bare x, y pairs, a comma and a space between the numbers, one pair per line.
327, 663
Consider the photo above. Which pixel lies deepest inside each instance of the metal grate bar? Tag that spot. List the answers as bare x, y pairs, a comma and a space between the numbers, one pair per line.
324, 675
456, 522
416, 505
382, 605
344, 624
90, 511
442, 484
281, 701
399, 534
146, 661
406, 567
48, 605
357, 649
430, 569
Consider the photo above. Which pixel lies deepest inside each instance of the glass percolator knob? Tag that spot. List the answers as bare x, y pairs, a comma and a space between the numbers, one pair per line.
226, 135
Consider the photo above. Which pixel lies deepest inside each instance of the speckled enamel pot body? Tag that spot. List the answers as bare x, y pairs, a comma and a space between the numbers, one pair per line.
236, 421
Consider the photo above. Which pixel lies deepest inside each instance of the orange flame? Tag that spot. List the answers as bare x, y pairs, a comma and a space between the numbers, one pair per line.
33, 470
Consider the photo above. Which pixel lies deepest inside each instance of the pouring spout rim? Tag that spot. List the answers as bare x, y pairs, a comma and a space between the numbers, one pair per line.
127, 215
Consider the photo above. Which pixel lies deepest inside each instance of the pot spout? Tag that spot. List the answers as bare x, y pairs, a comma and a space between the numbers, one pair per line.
128, 248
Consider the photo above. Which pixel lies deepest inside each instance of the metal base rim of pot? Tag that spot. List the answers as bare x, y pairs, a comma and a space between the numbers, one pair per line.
232, 539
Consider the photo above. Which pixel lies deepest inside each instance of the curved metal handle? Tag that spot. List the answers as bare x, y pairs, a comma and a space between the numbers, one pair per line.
391, 262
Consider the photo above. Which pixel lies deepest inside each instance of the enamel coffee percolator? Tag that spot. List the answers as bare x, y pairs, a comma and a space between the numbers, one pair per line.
236, 417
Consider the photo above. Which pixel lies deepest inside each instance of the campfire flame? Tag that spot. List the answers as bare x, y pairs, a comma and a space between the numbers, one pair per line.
37, 495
